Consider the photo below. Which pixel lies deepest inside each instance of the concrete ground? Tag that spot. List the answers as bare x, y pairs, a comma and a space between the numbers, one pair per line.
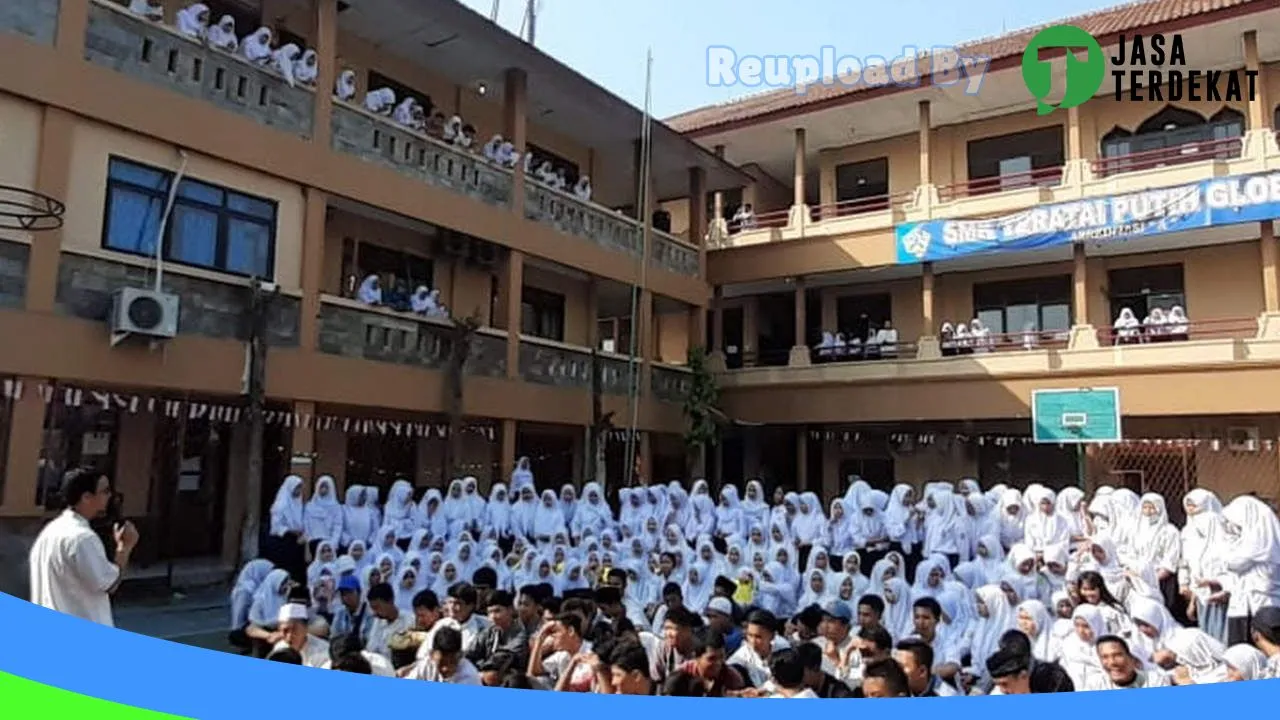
199, 619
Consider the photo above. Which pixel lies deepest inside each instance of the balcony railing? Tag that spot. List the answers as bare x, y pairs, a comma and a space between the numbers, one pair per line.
551, 363
34, 19
670, 383
862, 206
378, 140
1216, 329
1022, 340
1220, 149
158, 55
863, 352
672, 254
385, 336
1040, 177
606, 228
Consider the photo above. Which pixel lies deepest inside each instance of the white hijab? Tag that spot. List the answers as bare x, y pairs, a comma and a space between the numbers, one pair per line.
987, 631
223, 35
381, 101
583, 189
369, 292
285, 61
1200, 654
307, 69
345, 87
423, 300
193, 20
257, 47
548, 518
144, 9
324, 509
287, 509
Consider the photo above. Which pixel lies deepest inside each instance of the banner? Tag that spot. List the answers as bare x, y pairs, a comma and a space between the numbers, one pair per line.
1209, 203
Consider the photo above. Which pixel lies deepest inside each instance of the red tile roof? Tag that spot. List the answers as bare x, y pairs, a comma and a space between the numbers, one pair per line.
1120, 19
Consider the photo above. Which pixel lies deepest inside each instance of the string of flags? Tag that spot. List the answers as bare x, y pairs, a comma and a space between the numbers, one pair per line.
70, 396
927, 439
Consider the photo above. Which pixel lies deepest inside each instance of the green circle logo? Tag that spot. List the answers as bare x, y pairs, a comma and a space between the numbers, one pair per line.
1084, 77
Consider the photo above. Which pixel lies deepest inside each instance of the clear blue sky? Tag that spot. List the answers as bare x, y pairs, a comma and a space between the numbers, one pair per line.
606, 40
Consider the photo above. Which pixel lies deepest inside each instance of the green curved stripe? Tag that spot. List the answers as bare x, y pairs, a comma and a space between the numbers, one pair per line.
25, 699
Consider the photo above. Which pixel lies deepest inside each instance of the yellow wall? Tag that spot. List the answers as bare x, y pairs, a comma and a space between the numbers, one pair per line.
19, 147
903, 153
93, 144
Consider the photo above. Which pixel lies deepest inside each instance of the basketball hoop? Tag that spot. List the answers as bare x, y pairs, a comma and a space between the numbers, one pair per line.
27, 210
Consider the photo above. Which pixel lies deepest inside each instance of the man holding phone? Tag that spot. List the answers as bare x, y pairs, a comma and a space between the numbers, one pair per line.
70, 571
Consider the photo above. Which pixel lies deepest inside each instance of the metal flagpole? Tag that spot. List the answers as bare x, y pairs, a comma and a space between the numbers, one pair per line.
642, 201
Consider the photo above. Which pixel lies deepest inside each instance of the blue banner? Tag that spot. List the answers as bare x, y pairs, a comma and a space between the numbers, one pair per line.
1209, 203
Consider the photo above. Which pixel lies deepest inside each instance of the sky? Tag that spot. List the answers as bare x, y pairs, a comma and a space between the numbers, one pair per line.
606, 40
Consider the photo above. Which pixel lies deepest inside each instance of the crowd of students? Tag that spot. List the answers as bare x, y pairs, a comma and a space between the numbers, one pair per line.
954, 590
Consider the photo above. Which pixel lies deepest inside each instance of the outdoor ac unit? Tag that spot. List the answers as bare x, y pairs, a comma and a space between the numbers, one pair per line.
1242, 439
139, 312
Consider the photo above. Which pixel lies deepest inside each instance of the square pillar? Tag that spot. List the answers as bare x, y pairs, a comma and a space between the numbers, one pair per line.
326, 46
1259, 108
302, 446
515, 102
800, 350
698, 211
510, 290
1078, 168
1080, 285
593, 313
799, 209
53, 178
510, 428
715, 356
26, 438
313, 231
73, 21
1270, 260
923, 132
927, 345
697, 327
802, 460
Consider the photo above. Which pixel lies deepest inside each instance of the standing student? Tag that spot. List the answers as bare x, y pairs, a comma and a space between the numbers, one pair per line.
70, 571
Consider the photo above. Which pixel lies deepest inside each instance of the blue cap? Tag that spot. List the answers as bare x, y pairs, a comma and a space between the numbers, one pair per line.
837, 609
349, 582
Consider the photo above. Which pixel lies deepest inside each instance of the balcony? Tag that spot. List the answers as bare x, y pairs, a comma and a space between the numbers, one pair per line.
33, 19
1083, 350
670, 383
158, 55
352, 330
607, 228
547, 362
1222, 149
415, 155
674, 255
1032, 180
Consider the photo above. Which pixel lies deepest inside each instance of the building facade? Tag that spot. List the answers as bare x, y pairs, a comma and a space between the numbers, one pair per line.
286, 184
921, 208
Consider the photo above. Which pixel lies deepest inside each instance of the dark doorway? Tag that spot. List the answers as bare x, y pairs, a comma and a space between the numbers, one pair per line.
733, 334
776, 324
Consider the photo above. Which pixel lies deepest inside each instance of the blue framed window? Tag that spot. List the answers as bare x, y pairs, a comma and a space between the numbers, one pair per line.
210, 227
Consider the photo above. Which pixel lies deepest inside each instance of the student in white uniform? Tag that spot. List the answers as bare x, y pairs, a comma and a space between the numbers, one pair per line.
70, 570
293, 625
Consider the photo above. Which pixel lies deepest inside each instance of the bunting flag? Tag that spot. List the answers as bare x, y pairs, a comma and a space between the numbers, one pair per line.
238, 413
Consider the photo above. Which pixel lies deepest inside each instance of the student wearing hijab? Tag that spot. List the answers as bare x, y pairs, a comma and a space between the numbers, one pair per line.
193, 21
1199, 658
288, 530
256, 48
1203, 540
243, 594
344, 88
1157, 544
264, 613
1252, 560
322, 515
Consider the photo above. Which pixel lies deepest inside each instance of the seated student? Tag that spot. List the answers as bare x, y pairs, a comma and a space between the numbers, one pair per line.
823, 684
629, 670
708, 666
504, 634
884, 679
1045, 677
672, 599
553, 652
445, 662
485, 581
294, 620
388, 620
753, 656
803, 627
870, 611
915, 657
345, 646
1121, 669
286, 655
719, 615
354, 663
788, 673
677, 642
529, 608
460, 606
351, 614
494, 669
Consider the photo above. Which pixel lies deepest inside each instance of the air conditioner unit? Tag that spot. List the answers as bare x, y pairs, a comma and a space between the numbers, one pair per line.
140, 312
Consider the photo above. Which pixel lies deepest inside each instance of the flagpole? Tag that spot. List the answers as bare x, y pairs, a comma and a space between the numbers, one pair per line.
642, 202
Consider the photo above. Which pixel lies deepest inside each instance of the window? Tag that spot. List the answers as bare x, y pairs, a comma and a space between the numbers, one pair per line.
380, 460
1028, 151
1173, 127
541, 155
209, 227
378, 80
75, 436
1042, 304
615, 335
1142, 289
862, 186
541, 314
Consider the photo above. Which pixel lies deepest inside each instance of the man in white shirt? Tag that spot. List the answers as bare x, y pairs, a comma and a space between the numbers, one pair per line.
70, 571
445, 663
388, 622
294, 620
757, 646
1121, 669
